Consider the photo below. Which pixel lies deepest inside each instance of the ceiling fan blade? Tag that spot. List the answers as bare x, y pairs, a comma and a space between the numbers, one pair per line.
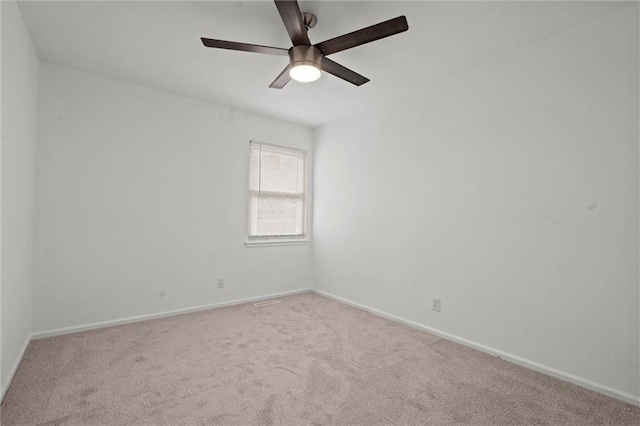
342, 72
293, 22
365, 35
282, 79
245, 47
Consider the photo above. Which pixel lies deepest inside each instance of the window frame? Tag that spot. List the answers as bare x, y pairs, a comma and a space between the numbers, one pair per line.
287, 239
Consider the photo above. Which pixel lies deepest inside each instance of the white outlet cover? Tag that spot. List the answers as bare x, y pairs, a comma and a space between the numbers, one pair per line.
435, 304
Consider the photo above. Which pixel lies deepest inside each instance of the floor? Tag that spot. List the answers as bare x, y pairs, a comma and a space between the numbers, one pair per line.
305, 360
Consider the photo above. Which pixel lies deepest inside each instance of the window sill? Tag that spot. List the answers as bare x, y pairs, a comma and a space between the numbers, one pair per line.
273, 243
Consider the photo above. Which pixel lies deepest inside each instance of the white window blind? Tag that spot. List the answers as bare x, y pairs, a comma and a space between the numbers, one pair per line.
276, 192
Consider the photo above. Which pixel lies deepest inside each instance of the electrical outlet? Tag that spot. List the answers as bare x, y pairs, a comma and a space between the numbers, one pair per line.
220, 282
435, 304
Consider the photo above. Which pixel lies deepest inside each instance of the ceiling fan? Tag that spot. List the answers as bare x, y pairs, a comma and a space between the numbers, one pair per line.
306, 59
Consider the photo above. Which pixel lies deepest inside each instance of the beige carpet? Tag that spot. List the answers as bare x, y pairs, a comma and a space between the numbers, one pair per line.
306, 360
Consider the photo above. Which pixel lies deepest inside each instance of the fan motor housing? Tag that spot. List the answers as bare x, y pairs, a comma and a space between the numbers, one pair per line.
305, 55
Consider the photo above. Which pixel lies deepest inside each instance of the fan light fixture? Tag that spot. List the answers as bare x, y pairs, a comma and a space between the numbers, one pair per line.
305, 73
307, 60
305, 63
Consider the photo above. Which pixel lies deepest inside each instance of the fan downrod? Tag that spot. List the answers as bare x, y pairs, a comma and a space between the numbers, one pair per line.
309, 20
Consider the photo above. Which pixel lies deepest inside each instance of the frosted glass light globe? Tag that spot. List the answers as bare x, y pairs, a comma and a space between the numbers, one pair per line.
305, 73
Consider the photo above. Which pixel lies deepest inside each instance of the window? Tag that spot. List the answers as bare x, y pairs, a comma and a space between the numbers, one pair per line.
277, 185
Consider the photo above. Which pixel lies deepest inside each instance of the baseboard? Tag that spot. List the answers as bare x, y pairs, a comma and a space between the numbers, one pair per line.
588, 384
14, 367
110, 323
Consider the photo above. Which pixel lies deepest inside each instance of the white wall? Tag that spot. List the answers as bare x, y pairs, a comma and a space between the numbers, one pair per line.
142, 199
511, 192
19, 108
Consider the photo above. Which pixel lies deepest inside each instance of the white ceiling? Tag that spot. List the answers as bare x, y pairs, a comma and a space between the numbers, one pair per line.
157, 44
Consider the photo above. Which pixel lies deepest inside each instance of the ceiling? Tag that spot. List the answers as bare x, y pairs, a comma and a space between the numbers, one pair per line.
157, 44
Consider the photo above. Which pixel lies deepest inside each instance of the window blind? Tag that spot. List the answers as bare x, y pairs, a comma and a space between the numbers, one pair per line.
276, 191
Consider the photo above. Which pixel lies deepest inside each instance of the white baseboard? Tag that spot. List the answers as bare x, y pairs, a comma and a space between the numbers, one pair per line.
597, 387
110, 323
14, 367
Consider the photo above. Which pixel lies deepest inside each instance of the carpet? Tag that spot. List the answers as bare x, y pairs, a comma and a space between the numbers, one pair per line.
305, 360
